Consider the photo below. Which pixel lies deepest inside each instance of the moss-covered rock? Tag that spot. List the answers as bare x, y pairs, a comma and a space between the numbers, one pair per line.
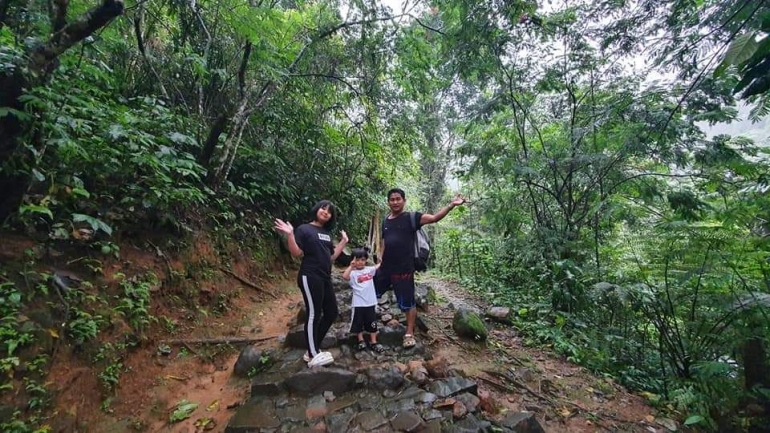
468, 324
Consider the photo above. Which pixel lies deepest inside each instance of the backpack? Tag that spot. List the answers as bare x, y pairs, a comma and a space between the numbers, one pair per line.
421, 244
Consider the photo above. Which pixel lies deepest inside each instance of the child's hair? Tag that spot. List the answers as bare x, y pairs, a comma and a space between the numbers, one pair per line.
332, 210
359, 253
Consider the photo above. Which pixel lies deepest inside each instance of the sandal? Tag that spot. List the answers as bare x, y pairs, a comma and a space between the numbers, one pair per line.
377, 347
409, 341
361, 345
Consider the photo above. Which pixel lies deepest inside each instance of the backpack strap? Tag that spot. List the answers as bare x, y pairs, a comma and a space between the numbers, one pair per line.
413, 219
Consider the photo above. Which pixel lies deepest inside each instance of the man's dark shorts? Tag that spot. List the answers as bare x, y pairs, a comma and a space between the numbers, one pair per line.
402, 285
364, 319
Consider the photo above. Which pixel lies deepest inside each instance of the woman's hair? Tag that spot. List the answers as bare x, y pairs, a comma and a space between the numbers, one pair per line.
359, 253
332, 210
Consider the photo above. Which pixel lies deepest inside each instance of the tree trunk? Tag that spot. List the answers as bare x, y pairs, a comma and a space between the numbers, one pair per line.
755, 366
4, 5
223, 162
212, 140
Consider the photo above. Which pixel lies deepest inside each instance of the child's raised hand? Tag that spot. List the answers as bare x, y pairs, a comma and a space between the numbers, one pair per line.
344, 236
283, 226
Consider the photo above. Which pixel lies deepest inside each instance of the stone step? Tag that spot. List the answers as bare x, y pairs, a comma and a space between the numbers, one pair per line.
375, 399
363, 410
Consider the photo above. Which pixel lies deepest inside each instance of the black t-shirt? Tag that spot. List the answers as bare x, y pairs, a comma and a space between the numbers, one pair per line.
398, 236
317, 248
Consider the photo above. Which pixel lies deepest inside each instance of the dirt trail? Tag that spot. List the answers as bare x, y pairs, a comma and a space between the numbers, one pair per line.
565, 397
155, 384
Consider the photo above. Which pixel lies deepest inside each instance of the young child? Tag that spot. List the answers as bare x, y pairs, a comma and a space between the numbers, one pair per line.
361, 278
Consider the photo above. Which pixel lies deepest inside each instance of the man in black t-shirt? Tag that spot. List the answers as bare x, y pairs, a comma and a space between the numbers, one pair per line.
397, 249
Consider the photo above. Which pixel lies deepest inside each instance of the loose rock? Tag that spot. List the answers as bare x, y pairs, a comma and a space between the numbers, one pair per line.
452, 386
523, 422
406, 421
499, 314
469, 325
250, 357
382, 378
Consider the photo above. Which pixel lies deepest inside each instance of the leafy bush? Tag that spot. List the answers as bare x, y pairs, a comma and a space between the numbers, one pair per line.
134, 303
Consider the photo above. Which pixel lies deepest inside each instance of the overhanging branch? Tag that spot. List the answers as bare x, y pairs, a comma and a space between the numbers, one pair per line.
74, 32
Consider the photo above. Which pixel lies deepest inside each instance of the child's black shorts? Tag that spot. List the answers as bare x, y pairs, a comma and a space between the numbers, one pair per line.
364, 319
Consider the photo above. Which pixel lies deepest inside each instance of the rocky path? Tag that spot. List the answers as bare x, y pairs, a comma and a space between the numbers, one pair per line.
454, 380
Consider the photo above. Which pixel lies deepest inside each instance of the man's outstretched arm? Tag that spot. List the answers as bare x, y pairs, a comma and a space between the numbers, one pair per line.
438, 216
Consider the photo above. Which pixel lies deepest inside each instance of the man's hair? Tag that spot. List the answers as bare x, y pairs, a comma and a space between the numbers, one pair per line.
397, 191
332, 210
360, 253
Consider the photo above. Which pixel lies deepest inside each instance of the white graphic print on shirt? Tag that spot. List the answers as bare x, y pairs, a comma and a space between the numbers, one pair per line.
362, 284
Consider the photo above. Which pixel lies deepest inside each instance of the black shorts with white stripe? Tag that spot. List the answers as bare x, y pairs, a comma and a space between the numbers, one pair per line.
364, 319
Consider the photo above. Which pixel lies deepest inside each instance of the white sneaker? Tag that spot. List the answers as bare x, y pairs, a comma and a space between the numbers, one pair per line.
323, 358
306, 357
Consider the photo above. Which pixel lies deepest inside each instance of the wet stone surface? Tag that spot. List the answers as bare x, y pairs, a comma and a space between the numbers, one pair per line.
370, 420
362, 391
406, 421
452, 386
255, 415
523, 422
317, 380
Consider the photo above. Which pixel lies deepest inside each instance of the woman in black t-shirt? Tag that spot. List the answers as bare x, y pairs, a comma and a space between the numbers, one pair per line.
313, 242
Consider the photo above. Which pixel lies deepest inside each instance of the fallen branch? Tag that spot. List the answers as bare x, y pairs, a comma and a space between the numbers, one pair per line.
188, 346
521, 385
217, 340
452, 339
498, 385
160, 253
246, 282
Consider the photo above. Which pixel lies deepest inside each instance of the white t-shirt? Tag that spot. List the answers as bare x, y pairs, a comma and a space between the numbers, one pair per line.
362, 283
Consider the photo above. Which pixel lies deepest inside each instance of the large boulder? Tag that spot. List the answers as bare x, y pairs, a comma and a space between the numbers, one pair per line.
499, 314
385, 378
391, 335
250, 358
318, 380
296, 338
339, 284
469, 325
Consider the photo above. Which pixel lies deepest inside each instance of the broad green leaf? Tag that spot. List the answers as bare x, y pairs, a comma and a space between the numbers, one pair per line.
81, 192
6, 111
183, 411
35, 209
180, 138
38, 175
95, 223
741, 49
694, 419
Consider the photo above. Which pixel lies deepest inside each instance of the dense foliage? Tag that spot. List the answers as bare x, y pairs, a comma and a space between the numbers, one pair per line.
624, 235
